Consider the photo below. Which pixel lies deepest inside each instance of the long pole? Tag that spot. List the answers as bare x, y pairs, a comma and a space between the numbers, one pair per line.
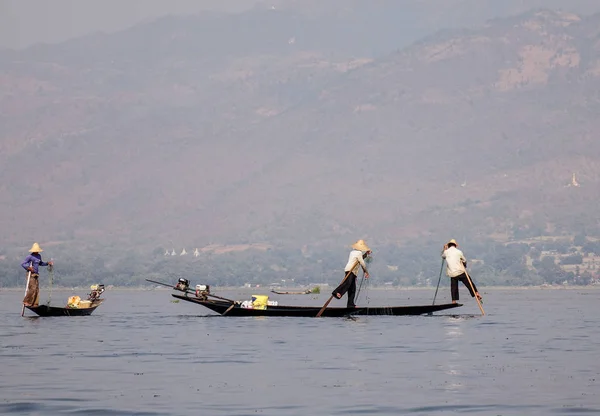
190, 290
439, 280
473, 289
331, 297
26, 287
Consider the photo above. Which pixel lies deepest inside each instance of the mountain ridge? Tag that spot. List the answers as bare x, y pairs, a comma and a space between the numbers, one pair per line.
301, 145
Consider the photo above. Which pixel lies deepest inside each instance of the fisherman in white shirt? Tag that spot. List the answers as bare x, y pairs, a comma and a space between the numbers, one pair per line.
355, 260
456, 269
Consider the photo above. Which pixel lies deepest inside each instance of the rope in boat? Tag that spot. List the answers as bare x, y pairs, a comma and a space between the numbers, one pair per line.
51, 274
367, 299
360, 286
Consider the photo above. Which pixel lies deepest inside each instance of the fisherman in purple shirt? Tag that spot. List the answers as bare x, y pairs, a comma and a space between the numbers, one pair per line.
31, 264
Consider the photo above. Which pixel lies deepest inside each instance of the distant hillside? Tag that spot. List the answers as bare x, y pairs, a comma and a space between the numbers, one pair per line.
261, 128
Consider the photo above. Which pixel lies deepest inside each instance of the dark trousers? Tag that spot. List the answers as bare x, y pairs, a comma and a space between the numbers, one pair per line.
348, 285
454, 285
32, 297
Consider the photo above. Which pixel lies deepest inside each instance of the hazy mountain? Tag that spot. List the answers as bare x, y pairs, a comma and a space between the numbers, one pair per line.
275, 126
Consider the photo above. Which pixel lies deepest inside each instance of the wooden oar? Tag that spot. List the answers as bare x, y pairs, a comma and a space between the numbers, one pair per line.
473, 289
26, 287
331, 297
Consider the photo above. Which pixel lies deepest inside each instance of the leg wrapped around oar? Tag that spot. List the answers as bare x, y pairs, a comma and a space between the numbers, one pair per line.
348, 285
33, 291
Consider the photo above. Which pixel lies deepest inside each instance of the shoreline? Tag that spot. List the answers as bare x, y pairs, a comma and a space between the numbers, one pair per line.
302, 288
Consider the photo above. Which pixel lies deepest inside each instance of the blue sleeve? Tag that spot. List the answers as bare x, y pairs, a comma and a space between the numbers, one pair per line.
43, 263
25, 264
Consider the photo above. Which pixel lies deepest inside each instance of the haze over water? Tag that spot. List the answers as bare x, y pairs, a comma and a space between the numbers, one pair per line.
534, 353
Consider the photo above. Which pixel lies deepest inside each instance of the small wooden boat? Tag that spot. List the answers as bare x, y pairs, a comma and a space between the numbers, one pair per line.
306, 292
80, 308
47, 310
223, 307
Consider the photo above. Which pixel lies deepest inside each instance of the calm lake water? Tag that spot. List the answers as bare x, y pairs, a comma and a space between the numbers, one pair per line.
536, 352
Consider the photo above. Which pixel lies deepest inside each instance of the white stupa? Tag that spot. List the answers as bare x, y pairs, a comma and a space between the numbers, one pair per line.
183, 252
574, 181
196, 253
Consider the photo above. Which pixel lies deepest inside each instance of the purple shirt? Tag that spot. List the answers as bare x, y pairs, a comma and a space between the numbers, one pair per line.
36, 260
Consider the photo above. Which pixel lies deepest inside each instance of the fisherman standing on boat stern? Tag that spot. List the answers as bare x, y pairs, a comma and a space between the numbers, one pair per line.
356, 259
31, 264
456, 269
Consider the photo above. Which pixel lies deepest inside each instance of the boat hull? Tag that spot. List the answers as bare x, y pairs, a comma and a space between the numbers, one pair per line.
46, 310
221, 307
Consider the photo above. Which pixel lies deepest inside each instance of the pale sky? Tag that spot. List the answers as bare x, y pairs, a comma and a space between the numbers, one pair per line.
25, 22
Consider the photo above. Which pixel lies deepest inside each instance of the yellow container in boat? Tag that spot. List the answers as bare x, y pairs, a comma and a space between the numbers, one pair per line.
260, 301
84, 304
73, 302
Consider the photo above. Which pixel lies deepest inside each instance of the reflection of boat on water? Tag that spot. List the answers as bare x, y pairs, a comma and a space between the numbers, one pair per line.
75, 306
224, 306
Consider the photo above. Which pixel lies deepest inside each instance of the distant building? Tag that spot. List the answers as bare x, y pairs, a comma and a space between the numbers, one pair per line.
183, 252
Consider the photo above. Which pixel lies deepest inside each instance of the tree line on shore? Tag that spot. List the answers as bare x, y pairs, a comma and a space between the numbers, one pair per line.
490, 263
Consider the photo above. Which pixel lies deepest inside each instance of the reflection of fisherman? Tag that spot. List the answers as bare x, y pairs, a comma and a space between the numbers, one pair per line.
360, 250
456, 269
31, 264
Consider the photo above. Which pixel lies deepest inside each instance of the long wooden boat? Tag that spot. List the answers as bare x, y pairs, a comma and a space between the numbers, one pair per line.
224, 307
47, 310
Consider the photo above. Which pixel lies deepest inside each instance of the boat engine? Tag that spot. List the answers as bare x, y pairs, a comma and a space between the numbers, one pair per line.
202, 291
97, 290
182, 284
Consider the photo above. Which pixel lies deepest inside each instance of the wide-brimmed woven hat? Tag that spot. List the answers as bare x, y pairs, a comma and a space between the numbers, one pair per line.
361, 245
453, 241
35, 248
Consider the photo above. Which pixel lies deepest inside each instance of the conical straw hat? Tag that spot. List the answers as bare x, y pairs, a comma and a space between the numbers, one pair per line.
35, 248
361, 245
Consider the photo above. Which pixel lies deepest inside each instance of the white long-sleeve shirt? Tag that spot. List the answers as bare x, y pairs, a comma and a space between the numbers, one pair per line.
354, 256
455, 260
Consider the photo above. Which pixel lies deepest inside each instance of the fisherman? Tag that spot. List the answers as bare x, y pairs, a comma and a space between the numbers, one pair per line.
31, 264
456, 269
356, 259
